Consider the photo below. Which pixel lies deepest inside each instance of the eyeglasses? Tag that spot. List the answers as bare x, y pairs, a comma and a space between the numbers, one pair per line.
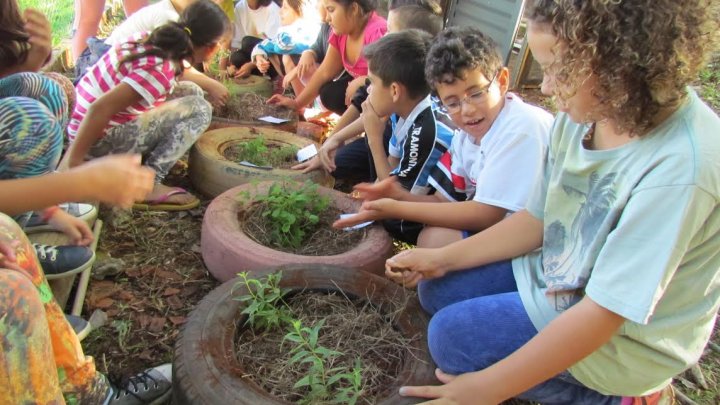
472, 99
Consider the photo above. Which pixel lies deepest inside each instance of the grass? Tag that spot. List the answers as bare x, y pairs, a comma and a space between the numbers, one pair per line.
709, 83
58, 12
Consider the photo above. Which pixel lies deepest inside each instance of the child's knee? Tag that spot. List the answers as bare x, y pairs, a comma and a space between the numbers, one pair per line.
443, 332
31, 138
435, 237
19, 298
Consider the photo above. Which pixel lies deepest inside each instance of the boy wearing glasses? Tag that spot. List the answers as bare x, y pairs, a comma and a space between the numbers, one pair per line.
494, 157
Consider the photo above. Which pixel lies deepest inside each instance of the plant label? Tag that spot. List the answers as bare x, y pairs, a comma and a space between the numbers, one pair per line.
307, 152
354, 227
273, 120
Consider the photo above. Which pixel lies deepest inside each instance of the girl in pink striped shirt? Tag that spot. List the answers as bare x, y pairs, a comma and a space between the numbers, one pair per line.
130, 102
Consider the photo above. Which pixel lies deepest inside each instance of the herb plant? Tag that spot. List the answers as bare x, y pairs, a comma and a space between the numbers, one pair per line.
265, 307
258, 153
292, 209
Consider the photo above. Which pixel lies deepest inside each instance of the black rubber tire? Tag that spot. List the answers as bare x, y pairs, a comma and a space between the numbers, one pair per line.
206, 371
212, 174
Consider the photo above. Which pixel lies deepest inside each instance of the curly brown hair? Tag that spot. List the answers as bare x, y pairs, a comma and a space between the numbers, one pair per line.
643, 53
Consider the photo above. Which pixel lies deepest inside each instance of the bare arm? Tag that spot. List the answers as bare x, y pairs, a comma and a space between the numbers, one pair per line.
116, 179
98, 115
516, 235
464, 215
569, 338
328, 70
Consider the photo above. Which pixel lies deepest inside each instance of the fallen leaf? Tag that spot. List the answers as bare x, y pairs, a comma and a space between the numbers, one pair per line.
170, 291
177, 320
105, 303
156, 324
174, 302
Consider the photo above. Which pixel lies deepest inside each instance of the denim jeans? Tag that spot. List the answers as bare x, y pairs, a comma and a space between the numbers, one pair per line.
478, 319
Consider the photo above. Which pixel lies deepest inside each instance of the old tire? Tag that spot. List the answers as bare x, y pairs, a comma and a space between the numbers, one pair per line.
227, 250
259, 85
212, 174
205, 368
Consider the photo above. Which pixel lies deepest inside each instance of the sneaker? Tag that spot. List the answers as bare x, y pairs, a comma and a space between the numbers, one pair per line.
665, 396
86, 212
151, 387
79, 325
62, 261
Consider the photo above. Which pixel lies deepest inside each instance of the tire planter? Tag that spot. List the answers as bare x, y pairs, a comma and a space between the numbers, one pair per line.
261, 86
227, 250
206, 370
311, 131
212, 174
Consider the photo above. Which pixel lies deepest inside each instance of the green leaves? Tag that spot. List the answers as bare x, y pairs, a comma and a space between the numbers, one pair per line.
294, 209
266, 309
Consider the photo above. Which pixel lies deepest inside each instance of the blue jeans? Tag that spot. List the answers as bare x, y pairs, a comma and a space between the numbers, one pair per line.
478, 319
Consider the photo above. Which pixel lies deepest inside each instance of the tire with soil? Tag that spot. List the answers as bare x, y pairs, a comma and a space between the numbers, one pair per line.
212, 174
227, 250
206, 370
260, 85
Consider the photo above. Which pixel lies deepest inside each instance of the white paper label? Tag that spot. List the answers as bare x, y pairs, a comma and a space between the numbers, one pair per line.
354, 227
307, 152
273, 120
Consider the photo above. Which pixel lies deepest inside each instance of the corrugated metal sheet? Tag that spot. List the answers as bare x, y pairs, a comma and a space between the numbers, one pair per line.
497, 18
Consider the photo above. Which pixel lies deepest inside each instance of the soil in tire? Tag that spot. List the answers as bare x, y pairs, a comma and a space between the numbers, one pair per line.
352, 326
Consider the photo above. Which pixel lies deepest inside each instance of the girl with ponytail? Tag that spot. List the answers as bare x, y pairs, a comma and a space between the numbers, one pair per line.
133, 100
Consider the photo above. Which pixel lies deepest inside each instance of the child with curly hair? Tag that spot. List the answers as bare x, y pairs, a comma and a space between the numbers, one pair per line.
605, 287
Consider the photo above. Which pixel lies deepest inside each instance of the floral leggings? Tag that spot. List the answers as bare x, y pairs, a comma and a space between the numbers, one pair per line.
41, 361
163, 134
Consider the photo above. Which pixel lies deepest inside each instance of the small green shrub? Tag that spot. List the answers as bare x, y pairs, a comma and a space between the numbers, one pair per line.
292, 210
258, 153
265, 307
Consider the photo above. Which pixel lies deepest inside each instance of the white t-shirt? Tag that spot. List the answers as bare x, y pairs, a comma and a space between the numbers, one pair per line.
261, 23
144, 20
502, 169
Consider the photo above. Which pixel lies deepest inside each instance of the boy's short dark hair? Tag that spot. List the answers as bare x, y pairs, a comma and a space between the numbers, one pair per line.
421, 17
457, 50
399, 58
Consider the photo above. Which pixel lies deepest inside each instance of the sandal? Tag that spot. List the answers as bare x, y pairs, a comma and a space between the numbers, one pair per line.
161, 203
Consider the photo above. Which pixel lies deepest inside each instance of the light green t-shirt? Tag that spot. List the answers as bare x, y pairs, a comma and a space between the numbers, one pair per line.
637, 229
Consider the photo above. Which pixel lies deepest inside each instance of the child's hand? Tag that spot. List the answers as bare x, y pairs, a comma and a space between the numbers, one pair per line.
386, 188
327, 153
218, 93
373, 123
292, 75
262, 64
279, 99
118, 180
457, 390
38, 28
352, 87
306, 63
309, 165
231, 70
410, 266
369, 211
245, 70
75, 229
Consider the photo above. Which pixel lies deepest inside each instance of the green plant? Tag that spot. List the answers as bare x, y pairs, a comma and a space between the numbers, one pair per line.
320, 380
265, 307
292, 210
258, 153
122, 328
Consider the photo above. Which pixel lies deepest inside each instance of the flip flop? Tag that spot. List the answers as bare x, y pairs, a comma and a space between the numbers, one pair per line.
157, 204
